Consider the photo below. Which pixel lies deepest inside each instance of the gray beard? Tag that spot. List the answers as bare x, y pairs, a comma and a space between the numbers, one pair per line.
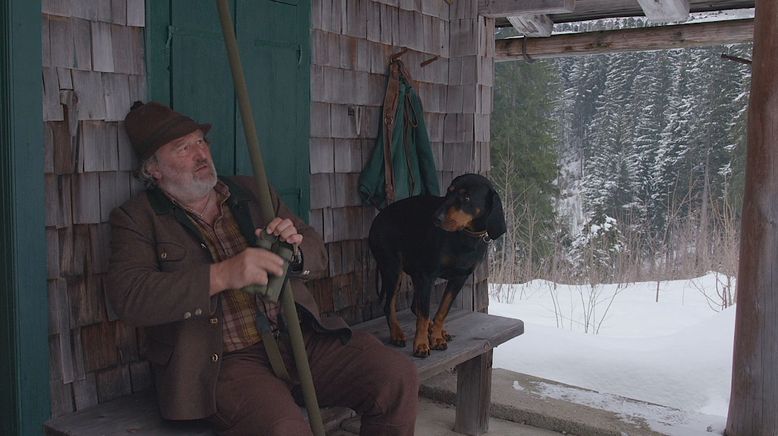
193, 191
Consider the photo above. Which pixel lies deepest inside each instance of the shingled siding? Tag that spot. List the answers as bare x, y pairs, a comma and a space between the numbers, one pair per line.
352, 42
93, 67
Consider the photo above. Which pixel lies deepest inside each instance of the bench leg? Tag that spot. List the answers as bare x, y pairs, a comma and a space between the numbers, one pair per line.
474, 393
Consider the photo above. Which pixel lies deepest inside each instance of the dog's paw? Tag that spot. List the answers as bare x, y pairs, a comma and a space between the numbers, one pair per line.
398, 342
439, 338
421, 350
439, 344
397, 337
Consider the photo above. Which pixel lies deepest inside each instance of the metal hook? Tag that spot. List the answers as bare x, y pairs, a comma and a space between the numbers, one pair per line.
524, 50
429, 61
736, 59
398, 54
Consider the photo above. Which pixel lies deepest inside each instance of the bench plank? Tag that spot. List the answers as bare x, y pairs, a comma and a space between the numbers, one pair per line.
475, 334
138, 414
133, 414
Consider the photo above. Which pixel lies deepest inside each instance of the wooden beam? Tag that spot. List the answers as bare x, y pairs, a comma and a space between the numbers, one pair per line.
614, 41
665, 10
512, 8
754, 397
532, 25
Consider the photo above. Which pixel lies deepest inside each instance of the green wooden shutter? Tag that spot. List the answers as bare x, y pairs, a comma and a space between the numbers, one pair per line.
188, 69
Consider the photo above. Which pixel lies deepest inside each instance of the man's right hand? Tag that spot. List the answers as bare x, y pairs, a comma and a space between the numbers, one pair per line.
251, 266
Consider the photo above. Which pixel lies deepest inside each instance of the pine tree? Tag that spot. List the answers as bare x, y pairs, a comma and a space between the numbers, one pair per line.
651, 146
523, 155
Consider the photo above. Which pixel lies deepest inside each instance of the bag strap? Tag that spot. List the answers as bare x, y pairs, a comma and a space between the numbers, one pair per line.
270, 342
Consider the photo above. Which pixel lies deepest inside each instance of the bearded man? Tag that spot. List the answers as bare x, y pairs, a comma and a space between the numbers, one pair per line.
180, 253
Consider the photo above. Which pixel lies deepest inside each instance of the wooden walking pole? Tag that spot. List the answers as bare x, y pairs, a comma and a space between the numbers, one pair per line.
266, 206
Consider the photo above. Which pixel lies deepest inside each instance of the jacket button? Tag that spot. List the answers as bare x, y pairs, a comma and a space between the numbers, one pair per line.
198, 311
214, 357
163, 255
187, 315
214, 320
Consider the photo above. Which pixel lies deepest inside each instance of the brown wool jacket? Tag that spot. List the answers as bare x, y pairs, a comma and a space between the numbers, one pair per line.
158, 277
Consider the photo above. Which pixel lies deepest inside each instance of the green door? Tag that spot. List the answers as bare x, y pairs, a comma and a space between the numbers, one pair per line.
188, 69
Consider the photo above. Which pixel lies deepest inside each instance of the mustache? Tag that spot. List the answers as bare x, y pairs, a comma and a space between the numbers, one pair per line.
200, 163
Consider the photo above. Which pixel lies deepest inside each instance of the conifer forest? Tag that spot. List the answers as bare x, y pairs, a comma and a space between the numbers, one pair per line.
621, 167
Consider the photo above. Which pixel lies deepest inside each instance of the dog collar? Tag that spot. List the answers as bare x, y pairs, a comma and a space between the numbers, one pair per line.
482, 235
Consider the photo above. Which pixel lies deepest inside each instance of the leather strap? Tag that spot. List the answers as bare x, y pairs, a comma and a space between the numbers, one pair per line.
397, 71
270, 342
390, 110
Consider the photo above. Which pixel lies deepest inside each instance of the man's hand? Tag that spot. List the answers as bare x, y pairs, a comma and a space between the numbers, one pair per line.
251, 266
254, 265
284, 229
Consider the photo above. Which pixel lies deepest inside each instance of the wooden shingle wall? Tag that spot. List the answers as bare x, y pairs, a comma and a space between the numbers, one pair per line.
93, 68
352, 41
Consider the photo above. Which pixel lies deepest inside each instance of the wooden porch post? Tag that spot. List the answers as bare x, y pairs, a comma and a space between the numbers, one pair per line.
753, 407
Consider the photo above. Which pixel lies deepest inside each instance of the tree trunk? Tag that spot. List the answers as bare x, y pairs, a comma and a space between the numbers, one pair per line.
754, 399
703, 239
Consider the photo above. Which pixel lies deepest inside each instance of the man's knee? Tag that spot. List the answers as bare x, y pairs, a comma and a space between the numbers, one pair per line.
399, 387
259, 424
289, 427
401, 378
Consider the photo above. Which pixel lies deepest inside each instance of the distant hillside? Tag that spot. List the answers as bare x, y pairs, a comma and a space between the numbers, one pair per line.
652, 143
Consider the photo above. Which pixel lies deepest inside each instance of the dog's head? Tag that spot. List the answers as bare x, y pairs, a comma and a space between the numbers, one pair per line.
471, 204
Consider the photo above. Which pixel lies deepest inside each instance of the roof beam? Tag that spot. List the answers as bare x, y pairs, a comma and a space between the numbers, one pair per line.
532, 25
665, 10
512, 8
614, 41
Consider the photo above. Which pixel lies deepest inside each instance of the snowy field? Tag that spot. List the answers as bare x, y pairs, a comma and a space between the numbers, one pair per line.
676, 352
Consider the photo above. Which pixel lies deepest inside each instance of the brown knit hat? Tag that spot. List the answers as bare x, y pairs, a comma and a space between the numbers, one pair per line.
152, 125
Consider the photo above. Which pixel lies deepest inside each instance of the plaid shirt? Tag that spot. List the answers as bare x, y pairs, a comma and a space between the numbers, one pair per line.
239, 309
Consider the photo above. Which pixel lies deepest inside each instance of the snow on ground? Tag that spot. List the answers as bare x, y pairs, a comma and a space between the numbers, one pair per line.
676, 352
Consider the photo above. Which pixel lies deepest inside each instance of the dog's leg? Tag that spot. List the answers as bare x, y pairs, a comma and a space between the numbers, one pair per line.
390, 282
396, 333
438, 336
422, 290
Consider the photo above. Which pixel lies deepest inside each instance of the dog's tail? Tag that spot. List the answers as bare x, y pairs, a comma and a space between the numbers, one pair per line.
379, 290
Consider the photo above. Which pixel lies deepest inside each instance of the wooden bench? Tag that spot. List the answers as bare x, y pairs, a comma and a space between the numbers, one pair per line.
475, 335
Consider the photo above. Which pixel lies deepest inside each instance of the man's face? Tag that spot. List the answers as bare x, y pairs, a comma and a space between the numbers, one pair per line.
184, 167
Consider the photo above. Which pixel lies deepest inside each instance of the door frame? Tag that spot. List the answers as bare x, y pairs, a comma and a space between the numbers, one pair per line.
24, 308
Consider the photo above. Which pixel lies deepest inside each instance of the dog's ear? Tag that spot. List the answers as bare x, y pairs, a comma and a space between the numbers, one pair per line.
495, 222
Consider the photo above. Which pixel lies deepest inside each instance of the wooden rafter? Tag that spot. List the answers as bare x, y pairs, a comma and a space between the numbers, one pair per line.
613, 41
532, 25
665, 10
512, 8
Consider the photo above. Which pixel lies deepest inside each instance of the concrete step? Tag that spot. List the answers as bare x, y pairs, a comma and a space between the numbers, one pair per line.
551, 405
437, 419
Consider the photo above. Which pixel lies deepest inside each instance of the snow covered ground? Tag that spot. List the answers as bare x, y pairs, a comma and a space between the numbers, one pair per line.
676, 352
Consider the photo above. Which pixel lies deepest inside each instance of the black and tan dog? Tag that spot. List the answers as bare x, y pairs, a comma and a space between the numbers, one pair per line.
430, 237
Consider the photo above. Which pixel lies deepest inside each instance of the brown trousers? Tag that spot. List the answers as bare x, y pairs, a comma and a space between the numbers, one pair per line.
379, 383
